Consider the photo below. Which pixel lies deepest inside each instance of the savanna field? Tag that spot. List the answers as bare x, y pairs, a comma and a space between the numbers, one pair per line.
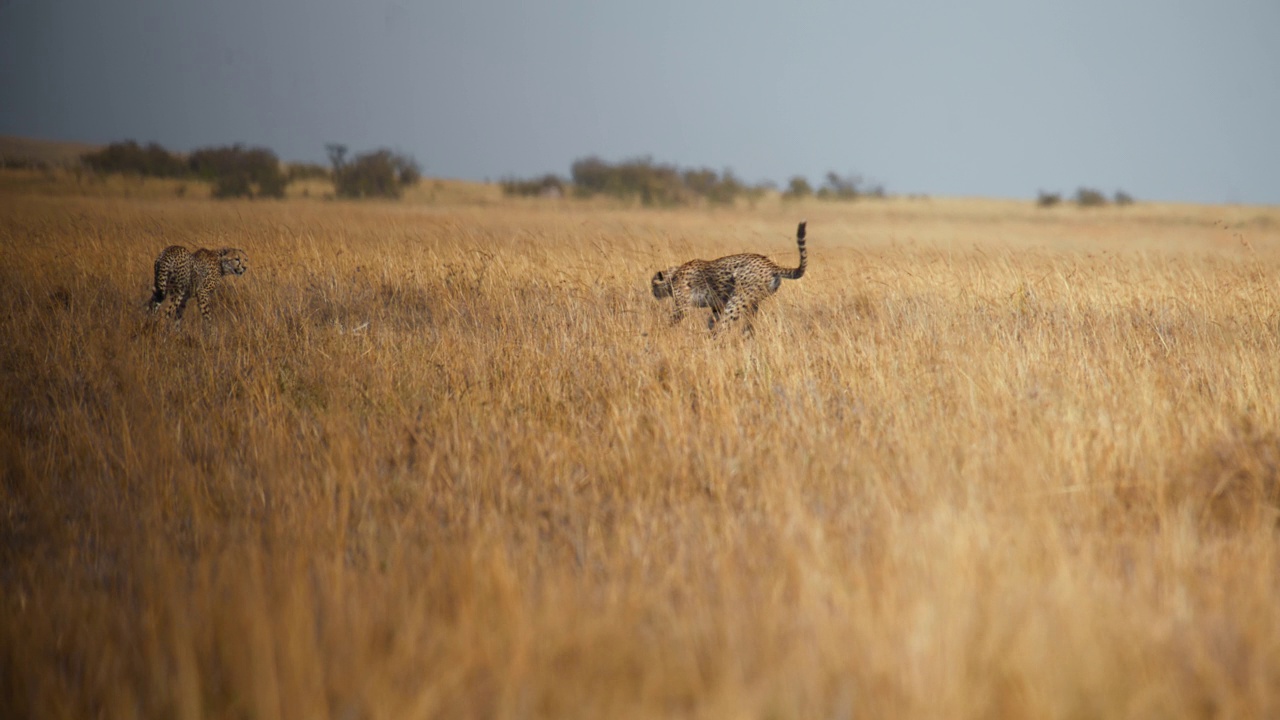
447, 458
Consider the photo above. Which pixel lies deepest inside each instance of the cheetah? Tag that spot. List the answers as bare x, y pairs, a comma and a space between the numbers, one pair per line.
181, 274
732, 286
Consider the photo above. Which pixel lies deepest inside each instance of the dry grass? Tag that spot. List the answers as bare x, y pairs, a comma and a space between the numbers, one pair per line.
447, 460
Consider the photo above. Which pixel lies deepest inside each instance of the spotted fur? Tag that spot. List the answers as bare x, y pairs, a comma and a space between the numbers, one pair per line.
732, 286
181, 274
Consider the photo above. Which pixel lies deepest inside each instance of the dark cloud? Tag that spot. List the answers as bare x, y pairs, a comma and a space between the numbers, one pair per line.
994, 98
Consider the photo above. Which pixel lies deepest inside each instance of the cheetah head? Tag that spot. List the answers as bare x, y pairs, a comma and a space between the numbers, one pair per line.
233, 261
662, 283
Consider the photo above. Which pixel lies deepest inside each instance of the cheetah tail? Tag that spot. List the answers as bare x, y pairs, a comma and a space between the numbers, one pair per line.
798, 272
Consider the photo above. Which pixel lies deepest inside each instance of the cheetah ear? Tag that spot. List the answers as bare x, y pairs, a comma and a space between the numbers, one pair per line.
659, 277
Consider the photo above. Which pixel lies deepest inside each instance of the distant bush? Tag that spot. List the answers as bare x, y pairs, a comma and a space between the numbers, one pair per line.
840, 188
1048, 199
657, 184
717, 189
548, 185
700, 181
1123, 198
409, 170
662, 184
1088, 197
380, 173
798, 187
130, 158
23, 163
232, 186
637, 179
834, 187
307, 171
234, 171
754, 193
237, 171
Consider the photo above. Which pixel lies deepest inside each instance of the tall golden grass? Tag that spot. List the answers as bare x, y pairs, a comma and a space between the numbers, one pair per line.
449, 460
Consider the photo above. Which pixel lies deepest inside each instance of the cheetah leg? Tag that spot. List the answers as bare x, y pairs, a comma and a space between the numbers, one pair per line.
738, 308
173, 304
677, 315
733, 310
718, 302
680, 298
717, 314
749, 317
202, 297
178, 292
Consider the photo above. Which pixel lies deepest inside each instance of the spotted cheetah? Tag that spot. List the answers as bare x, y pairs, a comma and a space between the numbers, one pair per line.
181, 273
731, 286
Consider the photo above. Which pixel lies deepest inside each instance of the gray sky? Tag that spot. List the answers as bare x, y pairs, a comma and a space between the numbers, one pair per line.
1166, 100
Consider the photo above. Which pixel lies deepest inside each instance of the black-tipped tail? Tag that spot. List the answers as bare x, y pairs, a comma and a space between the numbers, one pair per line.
798, 272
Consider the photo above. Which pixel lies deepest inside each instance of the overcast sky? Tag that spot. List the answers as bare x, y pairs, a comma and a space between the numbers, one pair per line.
1165, 100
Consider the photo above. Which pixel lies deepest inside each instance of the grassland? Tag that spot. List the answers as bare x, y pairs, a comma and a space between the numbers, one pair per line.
445, 458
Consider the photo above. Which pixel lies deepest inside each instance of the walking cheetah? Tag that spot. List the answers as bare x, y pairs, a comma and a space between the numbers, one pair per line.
181, 274
731, 286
